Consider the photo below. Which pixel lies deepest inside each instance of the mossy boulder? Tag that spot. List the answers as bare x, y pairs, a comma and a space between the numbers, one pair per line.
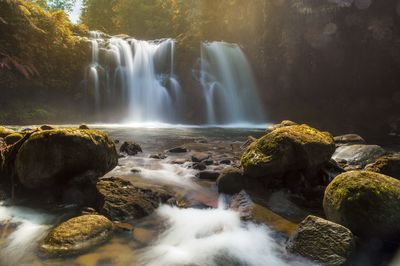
120, 200
287, 148
4, 132
322, 241
77, 235
55, 156
13, 138
367, 203
387, 165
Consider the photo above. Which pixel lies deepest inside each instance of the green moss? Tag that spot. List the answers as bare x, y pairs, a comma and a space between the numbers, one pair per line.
77, 235
13, 138
53, 156
368, 203
295, 146
4, 132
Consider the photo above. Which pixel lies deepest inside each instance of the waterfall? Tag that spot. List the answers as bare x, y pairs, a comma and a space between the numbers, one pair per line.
230, 91
133, 79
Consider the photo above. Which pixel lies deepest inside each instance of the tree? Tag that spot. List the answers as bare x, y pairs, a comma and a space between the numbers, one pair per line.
53, 5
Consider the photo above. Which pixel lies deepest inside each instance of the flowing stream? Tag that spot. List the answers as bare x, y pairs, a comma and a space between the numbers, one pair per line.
207, 233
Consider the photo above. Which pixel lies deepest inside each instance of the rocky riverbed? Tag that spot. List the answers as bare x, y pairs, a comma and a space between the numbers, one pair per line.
111, 195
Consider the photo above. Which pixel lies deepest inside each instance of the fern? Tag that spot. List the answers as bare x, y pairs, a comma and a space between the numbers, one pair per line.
8, 63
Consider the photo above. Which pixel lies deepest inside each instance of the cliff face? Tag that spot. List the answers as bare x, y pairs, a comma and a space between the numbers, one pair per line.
41, 56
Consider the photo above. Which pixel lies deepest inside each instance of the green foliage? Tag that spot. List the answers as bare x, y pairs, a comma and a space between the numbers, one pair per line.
53, 5
42, 43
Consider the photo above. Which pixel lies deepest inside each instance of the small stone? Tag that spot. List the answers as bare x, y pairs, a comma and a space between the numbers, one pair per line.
226, 161
199, 157
135, 170
199, 166
208, 162
178, 150
83, 127
208, 175
46, 127
159, 156
130, 148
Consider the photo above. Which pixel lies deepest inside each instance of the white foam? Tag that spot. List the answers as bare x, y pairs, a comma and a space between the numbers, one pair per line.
152, 169
208, 236
31, 226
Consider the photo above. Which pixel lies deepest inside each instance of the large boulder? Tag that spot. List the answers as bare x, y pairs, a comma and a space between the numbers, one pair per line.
367, 203
387, 165
77, 235
121, 200
4, 132
287, 148
322, 241
356, 157
55, 156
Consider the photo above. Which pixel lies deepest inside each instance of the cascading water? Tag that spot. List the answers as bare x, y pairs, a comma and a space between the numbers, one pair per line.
229, 88
134, 78
133, 81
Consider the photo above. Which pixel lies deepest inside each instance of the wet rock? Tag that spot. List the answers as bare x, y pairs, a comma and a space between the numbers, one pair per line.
208, 162
52, 157
354, 157
348, 139
322, 241
226, 161
4, 132
46, 127
367, 203
199, 157
159, 156
178, 150
77, 235
116, 141
83, 127
251, 211
288, 148
208, 175
388, 165
135, 170
121, 200
130, 148
124, 226
143, 235
13, 138
231, 180
199, 166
